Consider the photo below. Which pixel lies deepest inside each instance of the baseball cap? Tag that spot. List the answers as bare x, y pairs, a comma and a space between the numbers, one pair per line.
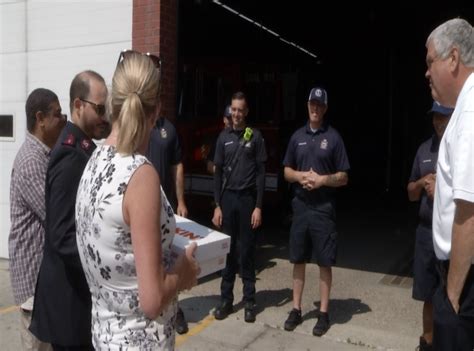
318, 94
438, 108
228, 112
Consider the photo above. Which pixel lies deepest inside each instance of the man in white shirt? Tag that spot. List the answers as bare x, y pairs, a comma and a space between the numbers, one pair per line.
450, 61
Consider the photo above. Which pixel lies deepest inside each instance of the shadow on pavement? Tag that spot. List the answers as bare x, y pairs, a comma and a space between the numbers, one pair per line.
198, 307
340, 310
269, 298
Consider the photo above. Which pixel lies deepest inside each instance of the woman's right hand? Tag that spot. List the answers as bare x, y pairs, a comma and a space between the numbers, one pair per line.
187, 268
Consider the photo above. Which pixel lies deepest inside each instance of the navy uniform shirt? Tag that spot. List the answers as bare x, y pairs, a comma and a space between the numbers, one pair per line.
425, 163
164, 152
62, 304
324, 152
248, 170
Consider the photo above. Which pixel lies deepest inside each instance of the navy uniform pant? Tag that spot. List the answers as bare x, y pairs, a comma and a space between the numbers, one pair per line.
425, 274
237, 208
451, 331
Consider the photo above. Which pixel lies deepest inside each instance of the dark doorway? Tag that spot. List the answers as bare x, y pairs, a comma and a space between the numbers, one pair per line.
370, 59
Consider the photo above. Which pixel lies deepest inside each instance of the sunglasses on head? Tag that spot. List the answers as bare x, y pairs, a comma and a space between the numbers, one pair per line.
127, 53
155, 59
99, 109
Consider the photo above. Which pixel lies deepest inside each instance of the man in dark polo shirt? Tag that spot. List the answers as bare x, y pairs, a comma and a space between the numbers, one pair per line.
239, 184
164, 152
316, 162
421, 188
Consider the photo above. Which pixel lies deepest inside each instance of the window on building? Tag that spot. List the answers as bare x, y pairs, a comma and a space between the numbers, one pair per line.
6, 127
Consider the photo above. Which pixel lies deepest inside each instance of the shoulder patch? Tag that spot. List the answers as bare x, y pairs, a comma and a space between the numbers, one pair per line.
86, 144
324, 144
70, 140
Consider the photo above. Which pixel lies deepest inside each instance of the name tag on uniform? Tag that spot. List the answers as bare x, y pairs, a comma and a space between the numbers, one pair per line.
301, 144
426, 161
228, 143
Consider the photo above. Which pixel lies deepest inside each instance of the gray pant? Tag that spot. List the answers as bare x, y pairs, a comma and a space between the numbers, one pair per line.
29, 341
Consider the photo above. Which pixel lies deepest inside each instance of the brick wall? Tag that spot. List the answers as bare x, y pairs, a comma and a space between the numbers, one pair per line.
154, 30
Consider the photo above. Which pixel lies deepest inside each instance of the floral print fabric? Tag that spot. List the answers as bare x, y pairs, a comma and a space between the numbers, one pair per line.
105, 247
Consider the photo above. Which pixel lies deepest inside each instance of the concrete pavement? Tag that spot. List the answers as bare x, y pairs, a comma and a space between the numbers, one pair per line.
361, 317
371, 305
365, 313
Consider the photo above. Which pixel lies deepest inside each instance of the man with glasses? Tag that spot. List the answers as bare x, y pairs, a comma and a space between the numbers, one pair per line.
44, 122
62, 304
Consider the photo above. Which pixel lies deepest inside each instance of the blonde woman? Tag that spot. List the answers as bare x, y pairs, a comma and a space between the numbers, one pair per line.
125, 224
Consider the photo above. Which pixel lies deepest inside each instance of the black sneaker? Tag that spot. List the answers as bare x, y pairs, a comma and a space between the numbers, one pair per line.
293, 319
424, 346
223, 310
322, 325
181, 324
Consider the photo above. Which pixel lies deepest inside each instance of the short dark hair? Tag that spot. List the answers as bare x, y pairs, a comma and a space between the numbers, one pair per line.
80, 86
240, 96
39, 100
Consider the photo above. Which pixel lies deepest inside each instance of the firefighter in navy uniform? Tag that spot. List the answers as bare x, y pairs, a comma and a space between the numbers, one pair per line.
239, 184
62, 303
316, 162
421, 188
164, 152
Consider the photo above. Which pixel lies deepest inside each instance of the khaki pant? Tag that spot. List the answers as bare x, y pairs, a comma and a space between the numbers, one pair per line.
28, 340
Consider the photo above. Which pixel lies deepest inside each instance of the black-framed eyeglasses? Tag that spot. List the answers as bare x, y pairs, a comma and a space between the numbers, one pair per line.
127, 53
99, 109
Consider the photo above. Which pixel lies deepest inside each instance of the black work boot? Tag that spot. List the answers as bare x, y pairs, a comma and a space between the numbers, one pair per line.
223, 310
249, 312
181, 324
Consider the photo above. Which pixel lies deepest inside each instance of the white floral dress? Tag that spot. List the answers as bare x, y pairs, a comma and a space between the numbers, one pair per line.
105, 247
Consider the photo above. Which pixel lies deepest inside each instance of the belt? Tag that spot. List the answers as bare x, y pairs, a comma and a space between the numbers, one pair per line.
246, 191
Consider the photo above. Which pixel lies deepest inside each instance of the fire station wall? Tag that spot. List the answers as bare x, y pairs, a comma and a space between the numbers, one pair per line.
155, 25
44, 44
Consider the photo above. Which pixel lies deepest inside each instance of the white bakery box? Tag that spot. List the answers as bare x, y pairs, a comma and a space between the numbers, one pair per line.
212, 246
